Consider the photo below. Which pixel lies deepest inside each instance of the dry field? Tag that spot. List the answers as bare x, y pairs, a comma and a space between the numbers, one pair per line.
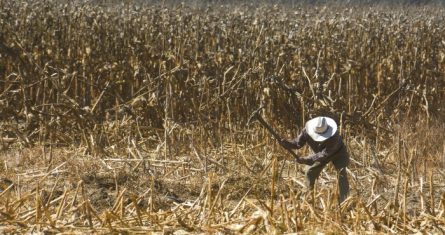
132, 118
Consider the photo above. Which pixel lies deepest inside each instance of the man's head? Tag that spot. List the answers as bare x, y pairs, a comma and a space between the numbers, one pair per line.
321, 128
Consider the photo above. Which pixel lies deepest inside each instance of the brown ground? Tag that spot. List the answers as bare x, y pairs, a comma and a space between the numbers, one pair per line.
180, 187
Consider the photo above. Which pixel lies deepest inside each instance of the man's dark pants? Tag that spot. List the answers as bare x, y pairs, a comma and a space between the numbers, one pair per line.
340, 160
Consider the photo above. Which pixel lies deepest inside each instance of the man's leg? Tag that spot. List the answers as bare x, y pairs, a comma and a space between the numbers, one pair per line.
312, 174
341, 162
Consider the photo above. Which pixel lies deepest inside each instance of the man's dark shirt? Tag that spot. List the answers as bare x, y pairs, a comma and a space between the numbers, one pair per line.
322, 150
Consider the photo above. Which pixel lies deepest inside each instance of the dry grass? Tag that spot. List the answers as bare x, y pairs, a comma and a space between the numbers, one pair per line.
132, 118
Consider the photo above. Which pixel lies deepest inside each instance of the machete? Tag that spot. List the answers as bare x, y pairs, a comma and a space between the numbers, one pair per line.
256, 115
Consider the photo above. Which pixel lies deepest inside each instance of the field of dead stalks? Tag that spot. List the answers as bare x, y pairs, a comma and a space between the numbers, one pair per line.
132, 118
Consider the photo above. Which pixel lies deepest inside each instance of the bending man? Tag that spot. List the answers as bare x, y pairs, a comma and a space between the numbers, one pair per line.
323, 138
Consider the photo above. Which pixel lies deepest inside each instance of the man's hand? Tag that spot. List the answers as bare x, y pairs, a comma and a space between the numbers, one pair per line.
285, 143
305, 160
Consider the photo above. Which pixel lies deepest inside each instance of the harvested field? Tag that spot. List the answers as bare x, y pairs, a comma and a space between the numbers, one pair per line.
133, 118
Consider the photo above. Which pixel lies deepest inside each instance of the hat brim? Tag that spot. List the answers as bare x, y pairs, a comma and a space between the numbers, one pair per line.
332, 128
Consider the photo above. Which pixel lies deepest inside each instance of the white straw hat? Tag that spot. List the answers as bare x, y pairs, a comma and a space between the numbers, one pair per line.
321, 128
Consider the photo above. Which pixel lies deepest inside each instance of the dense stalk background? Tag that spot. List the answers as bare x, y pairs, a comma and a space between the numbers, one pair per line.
122, 79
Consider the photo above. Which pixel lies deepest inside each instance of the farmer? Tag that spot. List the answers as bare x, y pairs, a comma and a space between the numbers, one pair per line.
321, 135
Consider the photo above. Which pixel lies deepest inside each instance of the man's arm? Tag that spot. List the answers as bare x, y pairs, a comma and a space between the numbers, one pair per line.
332, 145
296, 143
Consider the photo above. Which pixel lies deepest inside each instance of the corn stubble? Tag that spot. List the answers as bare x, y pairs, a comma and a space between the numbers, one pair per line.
132, 118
